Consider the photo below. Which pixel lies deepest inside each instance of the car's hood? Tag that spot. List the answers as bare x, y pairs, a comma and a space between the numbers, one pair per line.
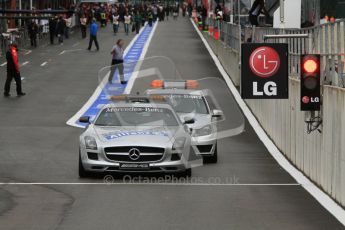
140, 136
200, 119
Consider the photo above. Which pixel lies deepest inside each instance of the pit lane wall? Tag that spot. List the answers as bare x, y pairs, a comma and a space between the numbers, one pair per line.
320, 156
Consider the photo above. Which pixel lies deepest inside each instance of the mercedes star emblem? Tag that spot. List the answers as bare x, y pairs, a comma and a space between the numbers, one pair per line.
134, 154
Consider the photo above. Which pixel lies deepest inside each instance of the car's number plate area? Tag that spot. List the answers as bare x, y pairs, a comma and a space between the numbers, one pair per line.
136, 166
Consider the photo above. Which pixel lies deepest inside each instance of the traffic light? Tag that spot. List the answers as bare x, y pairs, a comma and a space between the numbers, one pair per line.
310, 82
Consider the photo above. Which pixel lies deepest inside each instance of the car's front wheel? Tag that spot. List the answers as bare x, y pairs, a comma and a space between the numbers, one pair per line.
186, 173
211, 159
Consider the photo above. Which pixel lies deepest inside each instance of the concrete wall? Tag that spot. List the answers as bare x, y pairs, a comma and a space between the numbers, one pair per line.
321, 156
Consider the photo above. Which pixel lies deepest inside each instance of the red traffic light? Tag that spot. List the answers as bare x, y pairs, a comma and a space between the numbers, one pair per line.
310, 64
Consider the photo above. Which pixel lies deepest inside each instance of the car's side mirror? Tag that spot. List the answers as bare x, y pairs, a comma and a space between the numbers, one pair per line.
217, 113
189, 120
85, 119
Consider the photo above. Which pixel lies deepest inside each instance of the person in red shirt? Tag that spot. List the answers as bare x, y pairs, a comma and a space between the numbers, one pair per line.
13, 71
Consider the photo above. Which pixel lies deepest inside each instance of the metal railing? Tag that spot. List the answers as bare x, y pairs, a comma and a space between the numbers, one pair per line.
328, 40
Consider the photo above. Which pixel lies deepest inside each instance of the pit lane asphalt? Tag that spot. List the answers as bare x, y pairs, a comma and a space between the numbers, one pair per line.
37, 146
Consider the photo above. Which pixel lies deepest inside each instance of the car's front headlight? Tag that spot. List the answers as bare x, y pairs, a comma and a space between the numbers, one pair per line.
90, 143
204, 131
179, 143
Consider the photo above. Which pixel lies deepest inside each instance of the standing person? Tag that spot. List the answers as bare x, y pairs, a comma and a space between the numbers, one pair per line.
127, 22
203, 13
175, 12
190, 9
13, 71
103, 17
68, 23
155, 13
93, 34
150, 17
83, 24
137, 21
52, 29
258, 7
117, 61
167, 11
143, 13
60, 29
33, 31
184, 10
115, 19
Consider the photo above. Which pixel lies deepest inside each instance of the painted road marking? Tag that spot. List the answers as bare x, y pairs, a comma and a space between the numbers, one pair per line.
327, 202
3, 64
69, 51
28, 52
25, 63
75, 44
44, 63
90, 108
144, 183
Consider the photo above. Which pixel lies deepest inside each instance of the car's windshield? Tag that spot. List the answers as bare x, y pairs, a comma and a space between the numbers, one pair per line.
187, 103
136, 116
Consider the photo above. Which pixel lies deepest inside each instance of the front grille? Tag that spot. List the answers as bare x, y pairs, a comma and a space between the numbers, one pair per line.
125, 149
121, 154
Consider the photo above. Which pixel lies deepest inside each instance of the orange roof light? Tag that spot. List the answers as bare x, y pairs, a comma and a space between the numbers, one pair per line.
192, 84
118, 98
310, 66
157, 84
157, 98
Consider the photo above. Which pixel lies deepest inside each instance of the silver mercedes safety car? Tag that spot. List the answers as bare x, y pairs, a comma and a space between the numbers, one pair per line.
191, 103
135, 135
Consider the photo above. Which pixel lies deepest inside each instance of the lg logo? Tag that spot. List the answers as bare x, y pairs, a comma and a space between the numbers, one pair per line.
264, 62
264, 71
307, 100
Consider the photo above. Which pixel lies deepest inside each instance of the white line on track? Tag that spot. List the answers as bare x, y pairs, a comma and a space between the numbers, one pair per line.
327, 202
3, 64
28, 52
75, 44
44, 63
69, 51
25, 63
157, 184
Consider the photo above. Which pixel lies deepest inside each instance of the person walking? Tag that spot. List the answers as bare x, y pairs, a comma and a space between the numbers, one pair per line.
93, 34
60, 30
83, 24
127, 22
33, 31
115, 19
117, 61
52, 29
258, 7
13, 71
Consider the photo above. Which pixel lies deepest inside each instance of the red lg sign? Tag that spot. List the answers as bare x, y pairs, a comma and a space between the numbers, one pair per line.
264, 62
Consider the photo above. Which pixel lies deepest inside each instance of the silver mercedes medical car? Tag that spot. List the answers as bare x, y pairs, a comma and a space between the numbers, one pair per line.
135, 135
191, 103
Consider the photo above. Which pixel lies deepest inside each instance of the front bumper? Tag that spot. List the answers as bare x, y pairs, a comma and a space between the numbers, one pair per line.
205, 145
103, 164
